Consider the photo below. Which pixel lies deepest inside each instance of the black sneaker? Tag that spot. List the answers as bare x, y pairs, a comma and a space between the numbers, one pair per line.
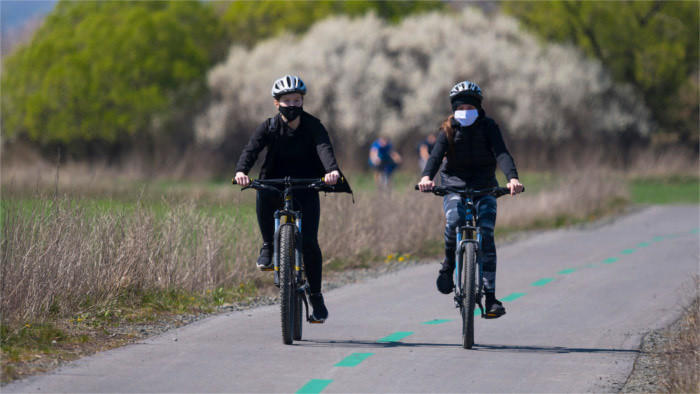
265, 262
445, 281
320, 312
494, 308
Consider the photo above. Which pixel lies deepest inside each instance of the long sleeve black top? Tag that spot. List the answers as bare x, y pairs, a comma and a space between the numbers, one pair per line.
472, 161
304, 153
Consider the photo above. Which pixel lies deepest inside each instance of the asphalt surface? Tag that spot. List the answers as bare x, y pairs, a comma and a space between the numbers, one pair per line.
578, 303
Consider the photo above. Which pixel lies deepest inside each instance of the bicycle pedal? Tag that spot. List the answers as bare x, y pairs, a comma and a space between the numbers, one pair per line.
493, 315
311, 320
267, 269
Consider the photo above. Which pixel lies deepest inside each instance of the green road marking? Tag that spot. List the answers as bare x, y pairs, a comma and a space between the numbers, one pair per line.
477, 311
513, 296
611, 260
627, 251
644, 244
695, 231
657, 239
542, 282
567, 271
437, 321
353, 359
314, 386
395, 337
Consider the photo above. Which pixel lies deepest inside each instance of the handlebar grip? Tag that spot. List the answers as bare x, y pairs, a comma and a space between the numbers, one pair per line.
340, 180
233, 181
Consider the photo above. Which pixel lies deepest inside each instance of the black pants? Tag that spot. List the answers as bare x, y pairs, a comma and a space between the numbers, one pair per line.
308, 203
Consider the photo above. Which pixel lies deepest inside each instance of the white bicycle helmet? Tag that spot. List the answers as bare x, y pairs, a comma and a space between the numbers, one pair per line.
466, 88
288, 84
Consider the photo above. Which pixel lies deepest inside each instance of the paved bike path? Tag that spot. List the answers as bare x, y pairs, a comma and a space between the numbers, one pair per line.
578, 302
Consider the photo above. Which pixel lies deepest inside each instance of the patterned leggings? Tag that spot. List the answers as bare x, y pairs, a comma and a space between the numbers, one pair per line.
455, 214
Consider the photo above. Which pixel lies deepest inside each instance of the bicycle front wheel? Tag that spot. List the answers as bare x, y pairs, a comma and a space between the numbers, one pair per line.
469, 291
288, 294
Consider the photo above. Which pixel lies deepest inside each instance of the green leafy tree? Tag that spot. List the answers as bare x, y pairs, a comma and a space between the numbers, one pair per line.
247, 22
106, 72
650, 44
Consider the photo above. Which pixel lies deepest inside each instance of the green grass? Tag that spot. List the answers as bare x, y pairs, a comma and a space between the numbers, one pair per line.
403, 181
674, 190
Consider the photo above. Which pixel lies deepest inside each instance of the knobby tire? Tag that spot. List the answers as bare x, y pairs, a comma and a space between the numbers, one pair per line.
298, 316
288, 294
469, 300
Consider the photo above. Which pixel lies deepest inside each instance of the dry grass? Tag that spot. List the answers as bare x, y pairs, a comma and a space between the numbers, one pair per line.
379, 224
672, 161
682, 358
63, 255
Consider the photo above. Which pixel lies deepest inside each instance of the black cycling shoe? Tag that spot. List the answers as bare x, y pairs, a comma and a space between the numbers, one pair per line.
494, 308
320, 312
445, 281
265, 262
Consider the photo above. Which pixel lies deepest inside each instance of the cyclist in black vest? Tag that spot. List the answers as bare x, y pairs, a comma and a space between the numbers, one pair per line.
473, 145
298, 146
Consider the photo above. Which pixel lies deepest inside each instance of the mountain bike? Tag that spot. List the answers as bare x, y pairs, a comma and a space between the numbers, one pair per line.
468, 275
287, 254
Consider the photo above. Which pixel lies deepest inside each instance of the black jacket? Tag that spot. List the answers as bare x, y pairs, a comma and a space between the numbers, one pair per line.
272, 138
471, 161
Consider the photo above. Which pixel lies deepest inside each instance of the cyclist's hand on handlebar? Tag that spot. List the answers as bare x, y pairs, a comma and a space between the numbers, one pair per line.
331, 178
426, 184
242, 179
515, 186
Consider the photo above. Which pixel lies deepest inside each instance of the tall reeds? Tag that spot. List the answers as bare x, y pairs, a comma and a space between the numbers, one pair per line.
61, 254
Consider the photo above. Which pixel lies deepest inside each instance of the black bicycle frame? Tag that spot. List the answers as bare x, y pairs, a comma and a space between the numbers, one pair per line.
286, 216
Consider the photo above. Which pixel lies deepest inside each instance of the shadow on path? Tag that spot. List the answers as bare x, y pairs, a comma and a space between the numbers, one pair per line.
477, 347
547, 349
369, 344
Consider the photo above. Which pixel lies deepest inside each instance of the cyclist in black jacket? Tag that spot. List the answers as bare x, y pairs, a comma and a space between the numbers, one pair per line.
473, 145
298, 146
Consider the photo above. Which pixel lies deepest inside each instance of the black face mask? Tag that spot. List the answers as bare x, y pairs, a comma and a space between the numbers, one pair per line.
291, 113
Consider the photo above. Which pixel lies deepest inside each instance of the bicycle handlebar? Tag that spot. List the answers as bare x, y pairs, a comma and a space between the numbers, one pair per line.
269, 184
444, 190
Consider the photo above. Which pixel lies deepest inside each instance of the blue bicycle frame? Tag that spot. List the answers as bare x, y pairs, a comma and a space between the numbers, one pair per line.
469, 233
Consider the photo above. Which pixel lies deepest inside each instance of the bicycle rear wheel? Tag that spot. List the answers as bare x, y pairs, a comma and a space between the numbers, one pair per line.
469, 299
288, 294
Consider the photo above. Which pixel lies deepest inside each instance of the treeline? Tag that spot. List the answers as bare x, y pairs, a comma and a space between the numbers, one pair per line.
652, 45
105, 78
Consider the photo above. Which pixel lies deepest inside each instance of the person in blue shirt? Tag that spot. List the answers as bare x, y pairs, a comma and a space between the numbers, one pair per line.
383, 159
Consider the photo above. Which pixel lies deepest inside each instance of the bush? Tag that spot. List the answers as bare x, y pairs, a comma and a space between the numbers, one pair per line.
103, 72
367, 78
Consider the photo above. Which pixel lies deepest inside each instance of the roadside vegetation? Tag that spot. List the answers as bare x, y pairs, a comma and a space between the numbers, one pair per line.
75, 269
122, 122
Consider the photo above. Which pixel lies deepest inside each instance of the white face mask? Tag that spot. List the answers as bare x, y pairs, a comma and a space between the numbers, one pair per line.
466, 117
